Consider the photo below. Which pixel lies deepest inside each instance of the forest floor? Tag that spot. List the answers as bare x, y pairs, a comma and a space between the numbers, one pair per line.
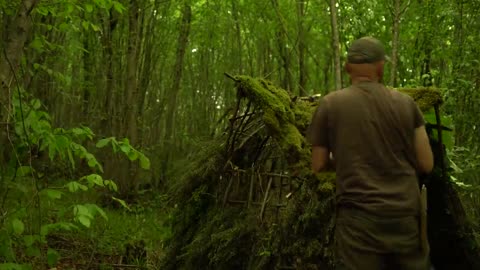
128, 239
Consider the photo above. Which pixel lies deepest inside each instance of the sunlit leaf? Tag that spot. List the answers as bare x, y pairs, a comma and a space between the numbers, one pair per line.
132, 155
18, 226
74, 186
118, 7
88, 8
24, 171
103, 142
112, 185
122, 202
52, 193
144, 162
95, 179
84, 220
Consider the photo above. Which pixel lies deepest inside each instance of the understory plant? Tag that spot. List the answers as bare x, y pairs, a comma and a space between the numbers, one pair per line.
45, 168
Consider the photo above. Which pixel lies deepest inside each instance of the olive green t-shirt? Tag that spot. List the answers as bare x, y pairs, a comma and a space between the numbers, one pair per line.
369, 129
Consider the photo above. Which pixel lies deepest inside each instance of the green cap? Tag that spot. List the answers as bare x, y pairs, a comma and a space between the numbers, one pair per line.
366, 50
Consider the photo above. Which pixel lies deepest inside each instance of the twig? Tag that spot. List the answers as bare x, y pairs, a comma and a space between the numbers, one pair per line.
250, 192
440, 139
265, 199
231, 77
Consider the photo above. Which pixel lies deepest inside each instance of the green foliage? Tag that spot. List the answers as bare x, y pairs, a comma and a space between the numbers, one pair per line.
28, 230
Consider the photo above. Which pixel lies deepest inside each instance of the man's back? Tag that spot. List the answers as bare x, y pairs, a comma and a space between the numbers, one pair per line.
371, 135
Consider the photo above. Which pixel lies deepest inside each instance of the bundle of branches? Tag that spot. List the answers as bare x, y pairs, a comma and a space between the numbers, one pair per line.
267, 134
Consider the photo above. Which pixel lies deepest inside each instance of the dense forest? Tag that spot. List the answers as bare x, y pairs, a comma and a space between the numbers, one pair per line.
106, 106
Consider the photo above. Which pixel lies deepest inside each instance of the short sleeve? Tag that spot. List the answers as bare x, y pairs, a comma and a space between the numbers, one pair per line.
318, 130
417, 115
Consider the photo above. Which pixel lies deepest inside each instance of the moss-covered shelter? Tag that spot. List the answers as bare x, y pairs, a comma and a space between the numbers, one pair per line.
249, 200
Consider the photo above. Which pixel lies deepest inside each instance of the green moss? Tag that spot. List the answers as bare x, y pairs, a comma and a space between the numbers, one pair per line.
426, 98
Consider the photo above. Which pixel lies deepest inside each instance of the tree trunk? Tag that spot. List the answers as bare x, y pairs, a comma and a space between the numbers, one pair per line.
131, 90
336, 45
10, 59
281, 35
395, 42
175, 89
302, 68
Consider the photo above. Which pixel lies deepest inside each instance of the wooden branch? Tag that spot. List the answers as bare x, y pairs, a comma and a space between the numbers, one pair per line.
230, 77
440, 139
265, 198
225, 197
250, 191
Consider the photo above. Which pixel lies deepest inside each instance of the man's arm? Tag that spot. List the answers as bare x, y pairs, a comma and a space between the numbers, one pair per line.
320, 158
423, 150
318, 137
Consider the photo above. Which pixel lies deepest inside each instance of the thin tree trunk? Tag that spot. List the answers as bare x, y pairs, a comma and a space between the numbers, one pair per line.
175, 89
302, 68
336, 45
131, 90
10, 59
238, 34
395, 42
281, 35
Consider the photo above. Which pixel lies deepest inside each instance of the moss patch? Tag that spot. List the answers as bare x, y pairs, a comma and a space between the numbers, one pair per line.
425, 98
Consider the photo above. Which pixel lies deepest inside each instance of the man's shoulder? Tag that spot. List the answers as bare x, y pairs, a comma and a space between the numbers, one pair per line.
339, 93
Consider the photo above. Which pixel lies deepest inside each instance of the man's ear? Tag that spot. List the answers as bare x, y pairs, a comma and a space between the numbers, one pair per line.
380, 69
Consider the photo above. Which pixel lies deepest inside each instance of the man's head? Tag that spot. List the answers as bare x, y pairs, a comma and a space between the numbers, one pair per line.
366, 58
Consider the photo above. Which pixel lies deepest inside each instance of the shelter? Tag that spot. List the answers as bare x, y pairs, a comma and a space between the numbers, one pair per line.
249, 200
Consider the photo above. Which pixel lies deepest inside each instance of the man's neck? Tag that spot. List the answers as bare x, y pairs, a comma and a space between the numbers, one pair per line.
359, 79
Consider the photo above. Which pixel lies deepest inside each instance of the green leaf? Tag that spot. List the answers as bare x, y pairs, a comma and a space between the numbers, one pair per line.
84, 220
103, 142
95, 27
81, 210
144, 162
111, 185
101, 212
126, 148
118, 7
52, 257
85, 25
122, 202
24, 171
74, 186
97, 209
64, 27
18, 226
33, 251
70, 158
29, 240
36, 104
95, 179
132, 155
37, 44
52, 193
89, 8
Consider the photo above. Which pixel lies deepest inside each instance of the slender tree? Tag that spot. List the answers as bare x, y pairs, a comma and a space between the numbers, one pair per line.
335, 44
182, 43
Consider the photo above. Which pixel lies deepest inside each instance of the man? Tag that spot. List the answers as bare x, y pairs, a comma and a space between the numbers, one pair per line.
379, 144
